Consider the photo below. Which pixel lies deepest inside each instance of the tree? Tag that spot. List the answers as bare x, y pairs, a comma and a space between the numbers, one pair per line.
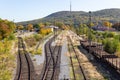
108, 34
4, 30
118, 50
30, 27
11, 25
60, 25
111, 46
20, 27
41, 25
107, 24
116, 26
47, 24
45, 31
92, 24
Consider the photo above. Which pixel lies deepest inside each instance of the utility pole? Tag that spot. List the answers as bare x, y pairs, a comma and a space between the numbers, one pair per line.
89, 36
70, 14
54, 29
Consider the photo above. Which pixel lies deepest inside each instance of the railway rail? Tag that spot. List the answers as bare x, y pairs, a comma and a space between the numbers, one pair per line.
52, 54
57, 58
25, 68
79, 70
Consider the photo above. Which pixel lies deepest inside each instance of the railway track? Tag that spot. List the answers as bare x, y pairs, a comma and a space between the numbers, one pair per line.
52, 54
78, 72
25, 68
57, 59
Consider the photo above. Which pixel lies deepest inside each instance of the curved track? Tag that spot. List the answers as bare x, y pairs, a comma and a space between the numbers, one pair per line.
25, 68
57, 59
52, 54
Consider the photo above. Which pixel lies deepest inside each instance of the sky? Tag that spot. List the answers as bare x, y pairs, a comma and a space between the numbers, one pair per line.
24, 10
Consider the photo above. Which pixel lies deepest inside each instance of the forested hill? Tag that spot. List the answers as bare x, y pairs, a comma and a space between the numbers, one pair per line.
78, 16
66, 14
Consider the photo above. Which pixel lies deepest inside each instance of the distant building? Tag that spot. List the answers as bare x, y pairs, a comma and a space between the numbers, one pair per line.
52, 27
103, 28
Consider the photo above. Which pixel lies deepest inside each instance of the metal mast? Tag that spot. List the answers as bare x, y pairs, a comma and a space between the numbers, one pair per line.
70, 14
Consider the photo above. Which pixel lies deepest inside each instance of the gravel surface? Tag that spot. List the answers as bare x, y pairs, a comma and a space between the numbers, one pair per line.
64, 68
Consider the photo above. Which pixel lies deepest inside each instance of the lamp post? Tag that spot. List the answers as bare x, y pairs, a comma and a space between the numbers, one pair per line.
96, 43
89, 36
54, 29
54, 33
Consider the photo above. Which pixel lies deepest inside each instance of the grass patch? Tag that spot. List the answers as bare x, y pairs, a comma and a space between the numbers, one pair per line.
36, 52
30, 41
37, 37
71, 73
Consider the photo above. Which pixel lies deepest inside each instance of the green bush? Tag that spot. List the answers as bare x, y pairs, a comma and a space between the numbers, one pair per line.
108, 34
37, 37
36, 52
91, 36
111, 34
117, 37
111, 46
11, 37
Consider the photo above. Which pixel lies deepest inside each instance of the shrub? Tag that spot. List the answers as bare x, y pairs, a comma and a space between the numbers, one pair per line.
111, 46
45, 31
108, 34
37, 37
117, 37
11, 37
30, 41
91, 36
36, 52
